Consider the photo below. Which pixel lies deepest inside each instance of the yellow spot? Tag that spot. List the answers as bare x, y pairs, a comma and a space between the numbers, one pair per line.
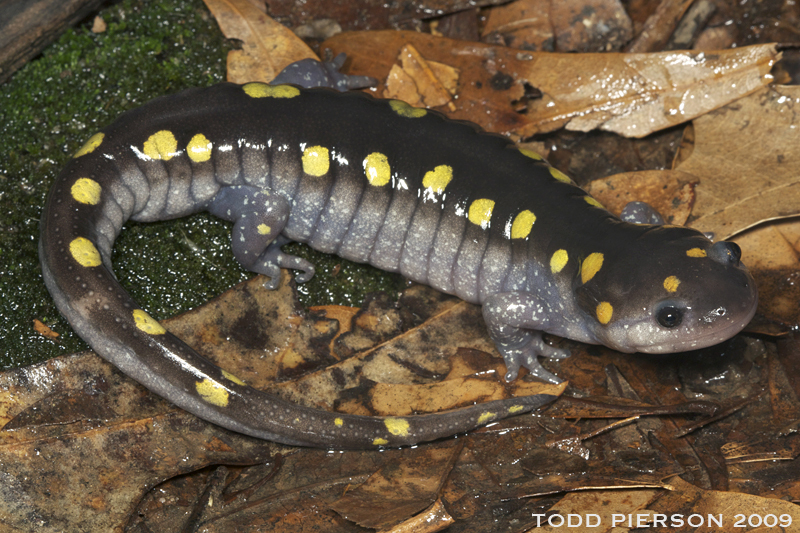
316, 161
199, 148
263, 229
514, 409
380, 442
558, 261
560, 176
397, 426
262, 90
212, 392
591, 266
437, 179
405, 110
696, 252
591, 201
377, 170
480, 212
604, 312
486, 417
90, 145
84, 252
227, 375
523, 223
86, 191
161, 145
532, 155
338, 422
671, 284
147, 323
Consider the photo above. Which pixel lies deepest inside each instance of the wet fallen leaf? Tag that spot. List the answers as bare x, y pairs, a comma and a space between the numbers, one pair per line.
414, 485
523, 24
737, 511
522, 93
96, 443
78, 420
370, 14
587, 511
587, 26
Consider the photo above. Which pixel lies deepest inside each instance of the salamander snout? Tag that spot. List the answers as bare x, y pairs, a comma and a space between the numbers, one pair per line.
725, 252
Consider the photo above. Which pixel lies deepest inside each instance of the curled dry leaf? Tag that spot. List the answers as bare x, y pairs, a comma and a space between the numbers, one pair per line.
421, 83
522, 93
267, 46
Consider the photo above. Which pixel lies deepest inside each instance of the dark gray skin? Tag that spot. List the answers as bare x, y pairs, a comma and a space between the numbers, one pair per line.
372, 181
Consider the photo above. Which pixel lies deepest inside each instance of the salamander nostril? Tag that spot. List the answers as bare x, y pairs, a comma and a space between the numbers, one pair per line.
736, 253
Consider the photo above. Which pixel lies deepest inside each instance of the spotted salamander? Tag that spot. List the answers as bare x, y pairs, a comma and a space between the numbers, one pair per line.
378, 182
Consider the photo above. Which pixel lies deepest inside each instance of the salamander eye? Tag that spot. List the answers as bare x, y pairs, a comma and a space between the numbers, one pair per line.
669, 316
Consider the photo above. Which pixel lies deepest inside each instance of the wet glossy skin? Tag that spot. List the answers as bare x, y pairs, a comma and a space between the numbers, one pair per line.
380, 182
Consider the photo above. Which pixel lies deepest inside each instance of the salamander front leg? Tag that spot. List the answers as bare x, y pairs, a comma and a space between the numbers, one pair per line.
258, 218
641, 213
515, 321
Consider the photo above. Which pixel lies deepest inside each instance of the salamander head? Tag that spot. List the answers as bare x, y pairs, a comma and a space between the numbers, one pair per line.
673, 290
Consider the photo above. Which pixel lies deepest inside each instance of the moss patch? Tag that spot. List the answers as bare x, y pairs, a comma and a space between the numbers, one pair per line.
51, 106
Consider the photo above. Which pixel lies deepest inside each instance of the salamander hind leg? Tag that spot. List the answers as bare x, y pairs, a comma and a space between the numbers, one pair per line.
258, 218
515, 322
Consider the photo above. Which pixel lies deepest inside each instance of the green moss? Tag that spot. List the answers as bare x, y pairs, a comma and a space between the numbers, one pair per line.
50, 107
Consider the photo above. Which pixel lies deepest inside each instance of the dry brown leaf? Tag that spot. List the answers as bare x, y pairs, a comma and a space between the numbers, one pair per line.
671, 193
630, 94
43, 329
771, 252
751, 147
267, 46
406, 400
421, 83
